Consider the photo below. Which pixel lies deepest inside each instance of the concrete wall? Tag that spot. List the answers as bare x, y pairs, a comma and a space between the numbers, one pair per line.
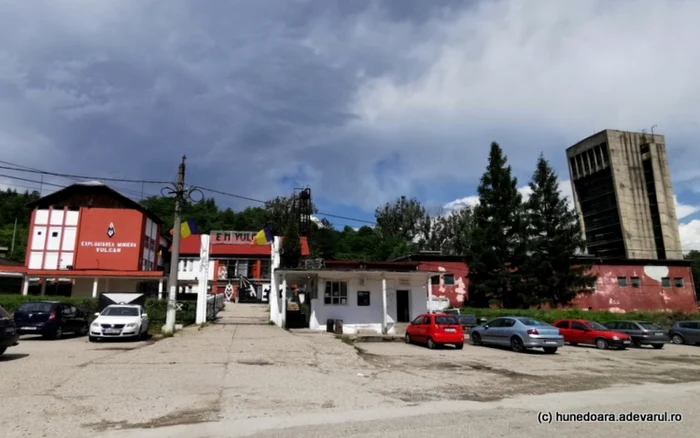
650, 295
366, 318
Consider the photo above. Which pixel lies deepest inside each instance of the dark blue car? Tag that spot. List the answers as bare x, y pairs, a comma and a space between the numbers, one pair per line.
8, 334
51, 319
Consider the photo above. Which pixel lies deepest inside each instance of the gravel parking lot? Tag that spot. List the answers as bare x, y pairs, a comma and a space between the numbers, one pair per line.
242, 369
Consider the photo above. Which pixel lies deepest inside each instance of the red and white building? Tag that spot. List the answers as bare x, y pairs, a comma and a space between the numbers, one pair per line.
622, 285
88, 238
231, 256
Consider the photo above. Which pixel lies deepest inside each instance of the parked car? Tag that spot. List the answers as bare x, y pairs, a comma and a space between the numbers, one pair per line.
435, 329
119, 321
685, 332
8, 333
583, 331
641, 332
51, 319
518, 332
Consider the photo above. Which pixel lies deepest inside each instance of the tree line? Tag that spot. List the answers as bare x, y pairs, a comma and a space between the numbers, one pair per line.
520, 253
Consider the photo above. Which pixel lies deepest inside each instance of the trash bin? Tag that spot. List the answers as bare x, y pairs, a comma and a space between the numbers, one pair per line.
330, 325
338, 326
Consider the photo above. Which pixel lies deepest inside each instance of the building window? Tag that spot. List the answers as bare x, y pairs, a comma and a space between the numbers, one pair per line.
265, 267
363, 298
449, 279
54, 234
679, 282
336, 293
622, 281
636, 282
666, 282
435, 280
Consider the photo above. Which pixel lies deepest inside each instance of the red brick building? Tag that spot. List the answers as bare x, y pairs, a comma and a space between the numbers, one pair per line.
622, 285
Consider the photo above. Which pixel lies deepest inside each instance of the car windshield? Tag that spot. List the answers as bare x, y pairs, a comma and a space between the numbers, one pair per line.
650, 326
35, 307
596, 326
532, 322
445, 320
120, 311
3, 313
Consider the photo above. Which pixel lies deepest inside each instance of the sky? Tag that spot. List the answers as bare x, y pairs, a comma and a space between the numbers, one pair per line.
362, 101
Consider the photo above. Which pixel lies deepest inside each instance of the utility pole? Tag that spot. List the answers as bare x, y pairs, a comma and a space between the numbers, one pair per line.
182, 195
14, 235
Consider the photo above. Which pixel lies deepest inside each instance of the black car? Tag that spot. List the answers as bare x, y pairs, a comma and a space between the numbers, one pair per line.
50, 319
641, 332
8, 334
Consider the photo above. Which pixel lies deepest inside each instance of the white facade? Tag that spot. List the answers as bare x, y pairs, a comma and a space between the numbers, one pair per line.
53, 237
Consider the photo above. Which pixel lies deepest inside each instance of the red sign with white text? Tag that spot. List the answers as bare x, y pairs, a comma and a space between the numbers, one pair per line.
109, 238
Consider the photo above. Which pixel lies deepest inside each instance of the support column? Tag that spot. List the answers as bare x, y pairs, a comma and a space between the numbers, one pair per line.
106, 284
43, 286
429, 286
283, 307
160, 289
25, 285
95, 284
384, 319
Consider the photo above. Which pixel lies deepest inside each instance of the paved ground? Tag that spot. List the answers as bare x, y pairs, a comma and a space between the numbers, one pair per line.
242, 376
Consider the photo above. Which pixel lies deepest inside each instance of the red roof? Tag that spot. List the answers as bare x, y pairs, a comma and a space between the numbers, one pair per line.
190, 246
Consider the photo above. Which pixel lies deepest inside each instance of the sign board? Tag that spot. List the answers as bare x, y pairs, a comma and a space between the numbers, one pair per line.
232, 237
404, 282
109, 238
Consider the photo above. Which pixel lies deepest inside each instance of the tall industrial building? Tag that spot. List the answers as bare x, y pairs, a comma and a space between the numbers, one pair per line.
623, 195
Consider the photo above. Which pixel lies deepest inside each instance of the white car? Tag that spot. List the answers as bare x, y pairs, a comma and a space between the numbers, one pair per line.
119, 321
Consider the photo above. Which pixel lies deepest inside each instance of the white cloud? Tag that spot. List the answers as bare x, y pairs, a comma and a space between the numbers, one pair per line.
683, 210
690, 235
525, 191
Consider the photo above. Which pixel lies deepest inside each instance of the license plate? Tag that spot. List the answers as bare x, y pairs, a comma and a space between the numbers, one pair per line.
627, 342
9, 329
28, 328
112, 331
659, 334
451, 330
550, 342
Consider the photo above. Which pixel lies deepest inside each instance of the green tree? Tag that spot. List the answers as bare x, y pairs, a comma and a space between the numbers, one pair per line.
554, 237
290, 256
694, 257
497, 247
447, 233
13, 209
400, 219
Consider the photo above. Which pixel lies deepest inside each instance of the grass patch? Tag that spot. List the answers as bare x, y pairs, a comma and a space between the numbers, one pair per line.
345, 339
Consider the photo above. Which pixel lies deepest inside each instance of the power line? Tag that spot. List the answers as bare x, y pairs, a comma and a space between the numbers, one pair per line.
60, 186
260, 201
67, 175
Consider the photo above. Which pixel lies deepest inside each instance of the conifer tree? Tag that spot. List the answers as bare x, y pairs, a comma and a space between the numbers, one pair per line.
497, 246
555, 238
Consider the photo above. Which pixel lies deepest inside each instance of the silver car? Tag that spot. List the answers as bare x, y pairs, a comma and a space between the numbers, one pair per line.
518, 332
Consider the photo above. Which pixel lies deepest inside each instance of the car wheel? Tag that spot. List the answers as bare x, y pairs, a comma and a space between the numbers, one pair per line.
573, 344
407, 338
476, 339
677, 339
2, 350
637, 343
601, 344
550, 350
431, 344
658, 346
517, 344
58, 334
459, 346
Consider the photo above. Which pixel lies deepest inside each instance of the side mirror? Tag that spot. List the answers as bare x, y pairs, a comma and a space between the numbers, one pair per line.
144, 315
486, 326
97, 314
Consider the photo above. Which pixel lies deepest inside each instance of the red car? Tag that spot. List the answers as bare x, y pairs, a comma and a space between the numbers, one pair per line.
435, 329
582, 331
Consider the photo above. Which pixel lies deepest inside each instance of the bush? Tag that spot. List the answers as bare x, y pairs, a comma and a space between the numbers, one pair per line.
665, 319
157, 310
86, 305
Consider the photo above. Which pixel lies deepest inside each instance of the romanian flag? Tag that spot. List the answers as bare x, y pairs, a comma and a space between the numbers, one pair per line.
187, 229
263, 237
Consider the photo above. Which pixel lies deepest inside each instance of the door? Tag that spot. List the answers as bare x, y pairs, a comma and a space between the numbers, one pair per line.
68, 315
503, 333
563, 327
577, 333
402, 306
489, 335
694, 331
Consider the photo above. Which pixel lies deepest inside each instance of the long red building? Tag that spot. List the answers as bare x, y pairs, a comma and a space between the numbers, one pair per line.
621, 285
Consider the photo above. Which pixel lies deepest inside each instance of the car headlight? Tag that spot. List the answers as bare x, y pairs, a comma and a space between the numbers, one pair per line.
615, 338
95, 324
132, 324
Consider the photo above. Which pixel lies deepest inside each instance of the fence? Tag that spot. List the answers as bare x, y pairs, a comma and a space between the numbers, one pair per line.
214, 304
